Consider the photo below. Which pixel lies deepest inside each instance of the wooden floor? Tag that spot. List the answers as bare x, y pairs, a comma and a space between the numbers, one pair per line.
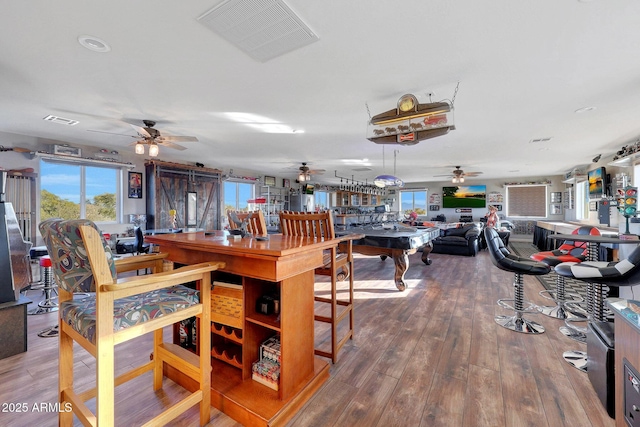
429, 356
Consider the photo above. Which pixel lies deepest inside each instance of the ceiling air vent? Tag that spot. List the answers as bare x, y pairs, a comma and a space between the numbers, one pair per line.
539, 140
263, 29
61, 120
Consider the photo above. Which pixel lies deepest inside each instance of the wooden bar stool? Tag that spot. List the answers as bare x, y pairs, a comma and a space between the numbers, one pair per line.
336, 265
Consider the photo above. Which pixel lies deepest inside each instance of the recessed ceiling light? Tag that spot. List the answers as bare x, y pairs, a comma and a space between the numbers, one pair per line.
94, 44
584, 110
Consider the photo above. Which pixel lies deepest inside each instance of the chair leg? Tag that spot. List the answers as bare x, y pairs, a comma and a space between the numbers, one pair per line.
157, 361
65, 375
105, 382
517, 322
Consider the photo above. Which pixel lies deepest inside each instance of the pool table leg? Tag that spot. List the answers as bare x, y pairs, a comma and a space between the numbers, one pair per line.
401, 260
426, 250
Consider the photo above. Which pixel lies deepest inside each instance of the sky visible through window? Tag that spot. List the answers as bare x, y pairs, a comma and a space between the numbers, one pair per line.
64, 180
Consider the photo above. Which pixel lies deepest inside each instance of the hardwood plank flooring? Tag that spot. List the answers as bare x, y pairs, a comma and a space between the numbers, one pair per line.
429, 356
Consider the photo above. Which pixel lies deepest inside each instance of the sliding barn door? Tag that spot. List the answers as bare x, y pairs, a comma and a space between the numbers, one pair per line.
194, 193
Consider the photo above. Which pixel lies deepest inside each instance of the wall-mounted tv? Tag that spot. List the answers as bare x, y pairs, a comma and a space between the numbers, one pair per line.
464, 196
597, 185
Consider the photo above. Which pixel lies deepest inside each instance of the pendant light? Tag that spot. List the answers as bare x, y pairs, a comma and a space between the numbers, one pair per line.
153, 149
388, 180
139, 147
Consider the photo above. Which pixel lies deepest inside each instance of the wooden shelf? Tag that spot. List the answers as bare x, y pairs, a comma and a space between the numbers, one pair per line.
228, 332
230, 353
627, 161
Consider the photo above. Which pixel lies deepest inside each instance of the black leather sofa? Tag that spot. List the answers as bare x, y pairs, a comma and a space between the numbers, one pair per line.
458, 241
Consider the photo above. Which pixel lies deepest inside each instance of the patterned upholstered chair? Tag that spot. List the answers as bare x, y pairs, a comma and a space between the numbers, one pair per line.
505, 260
568, 251
118, 310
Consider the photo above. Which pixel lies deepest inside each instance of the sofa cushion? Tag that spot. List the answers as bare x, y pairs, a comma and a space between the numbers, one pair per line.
452, 240
458, 231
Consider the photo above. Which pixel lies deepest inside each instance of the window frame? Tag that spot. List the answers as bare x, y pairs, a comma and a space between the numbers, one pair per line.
413, 199
119, 208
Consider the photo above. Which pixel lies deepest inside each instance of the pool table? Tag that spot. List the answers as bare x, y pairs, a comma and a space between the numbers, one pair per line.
397, 242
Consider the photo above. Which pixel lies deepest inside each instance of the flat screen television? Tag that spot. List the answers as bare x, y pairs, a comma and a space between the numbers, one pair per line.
596, 178
464, 196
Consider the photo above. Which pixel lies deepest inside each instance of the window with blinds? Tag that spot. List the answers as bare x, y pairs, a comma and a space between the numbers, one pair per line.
527, 201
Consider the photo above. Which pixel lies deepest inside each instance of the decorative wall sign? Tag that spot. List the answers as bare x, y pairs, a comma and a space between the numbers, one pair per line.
135, 185
556, 197
270, 180
464, 210
498, 207
286, 183
434, 207
495, 197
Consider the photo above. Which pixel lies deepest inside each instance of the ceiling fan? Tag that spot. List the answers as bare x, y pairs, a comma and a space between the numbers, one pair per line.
305, 172
148, 135
458, 175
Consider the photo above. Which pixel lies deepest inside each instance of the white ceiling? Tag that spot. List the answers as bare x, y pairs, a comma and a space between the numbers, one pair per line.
523, 69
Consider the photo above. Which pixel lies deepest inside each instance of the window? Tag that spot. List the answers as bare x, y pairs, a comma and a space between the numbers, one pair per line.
79, 191
237, 195
413, 201
527, 201
321, 200
582, 200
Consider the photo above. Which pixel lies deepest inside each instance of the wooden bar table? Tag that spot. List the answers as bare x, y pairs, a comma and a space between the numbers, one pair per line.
282, 265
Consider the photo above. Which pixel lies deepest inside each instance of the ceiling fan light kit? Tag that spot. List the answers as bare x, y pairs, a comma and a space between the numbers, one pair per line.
139, 147
457, 175
153, 150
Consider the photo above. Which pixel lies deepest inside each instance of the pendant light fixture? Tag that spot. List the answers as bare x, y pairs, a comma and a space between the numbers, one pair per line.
153, 149
139, 147
388, 180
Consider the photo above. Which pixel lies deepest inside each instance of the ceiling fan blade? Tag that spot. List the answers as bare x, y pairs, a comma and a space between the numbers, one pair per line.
177, 138
448, 174
472, 173
141, 131
112, 133
168, 144
316, 171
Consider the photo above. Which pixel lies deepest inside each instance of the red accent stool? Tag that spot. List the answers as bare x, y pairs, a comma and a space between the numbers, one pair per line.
569, 251
48, 304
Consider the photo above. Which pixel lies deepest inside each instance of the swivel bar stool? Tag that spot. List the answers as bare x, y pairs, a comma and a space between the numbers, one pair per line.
597, 274
568, 251
48, 304
505, 260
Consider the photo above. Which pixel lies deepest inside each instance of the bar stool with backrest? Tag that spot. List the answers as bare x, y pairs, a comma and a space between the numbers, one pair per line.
119, 310
256, 224
336, 265
600, 365
568, 251
505, 260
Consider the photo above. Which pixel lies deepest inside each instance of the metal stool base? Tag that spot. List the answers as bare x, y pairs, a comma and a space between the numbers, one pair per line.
577, 359
519, 324
574, 334
43, 310
561, 312
51, 332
